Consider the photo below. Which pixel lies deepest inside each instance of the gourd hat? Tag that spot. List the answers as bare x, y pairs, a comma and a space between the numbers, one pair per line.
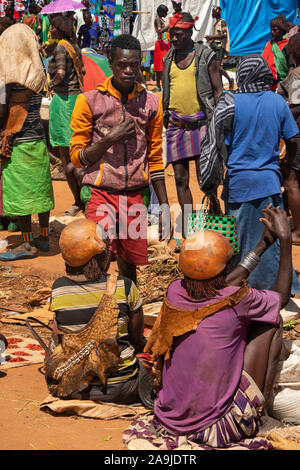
80, 241
204, 255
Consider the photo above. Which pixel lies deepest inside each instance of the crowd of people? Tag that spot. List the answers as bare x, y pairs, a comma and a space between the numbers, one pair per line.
215, 345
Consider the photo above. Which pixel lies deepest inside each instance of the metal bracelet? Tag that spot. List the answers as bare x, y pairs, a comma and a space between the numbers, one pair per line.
250, 261
82, 159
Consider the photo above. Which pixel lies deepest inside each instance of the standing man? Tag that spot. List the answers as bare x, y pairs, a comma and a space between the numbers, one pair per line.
219, 42
78, 16
89, 34
117, 139
191, 86
250, 122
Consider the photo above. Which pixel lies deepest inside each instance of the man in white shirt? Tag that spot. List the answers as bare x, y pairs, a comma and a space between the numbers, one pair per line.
78, 16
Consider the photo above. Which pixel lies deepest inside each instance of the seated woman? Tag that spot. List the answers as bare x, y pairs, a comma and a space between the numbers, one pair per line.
75, 300
215, 346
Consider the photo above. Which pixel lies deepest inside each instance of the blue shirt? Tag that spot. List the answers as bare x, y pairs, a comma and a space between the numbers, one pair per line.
90, 35
261, 120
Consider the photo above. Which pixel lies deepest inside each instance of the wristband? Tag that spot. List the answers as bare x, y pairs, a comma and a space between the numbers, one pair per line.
250, 261
82, 159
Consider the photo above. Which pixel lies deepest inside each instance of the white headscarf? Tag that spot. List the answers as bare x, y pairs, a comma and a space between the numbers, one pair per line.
20, 59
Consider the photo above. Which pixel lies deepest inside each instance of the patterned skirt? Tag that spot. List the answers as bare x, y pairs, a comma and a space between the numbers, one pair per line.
236, 429
185, 135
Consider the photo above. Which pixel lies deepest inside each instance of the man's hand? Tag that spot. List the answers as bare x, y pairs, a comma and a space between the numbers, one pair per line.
277, 224
121, 131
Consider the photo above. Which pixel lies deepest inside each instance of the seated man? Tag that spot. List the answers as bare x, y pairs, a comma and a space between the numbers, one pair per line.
75, 299
216, 344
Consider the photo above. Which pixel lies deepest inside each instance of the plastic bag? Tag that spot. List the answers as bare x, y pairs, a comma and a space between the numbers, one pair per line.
3, 245
285, 397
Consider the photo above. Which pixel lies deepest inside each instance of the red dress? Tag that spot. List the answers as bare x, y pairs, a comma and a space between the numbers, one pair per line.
162, 46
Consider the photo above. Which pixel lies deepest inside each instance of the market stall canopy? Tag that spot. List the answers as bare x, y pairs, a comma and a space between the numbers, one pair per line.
249, 26
58, 6
96, 67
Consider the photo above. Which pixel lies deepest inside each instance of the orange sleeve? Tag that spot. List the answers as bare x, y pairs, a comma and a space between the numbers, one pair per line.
154, 141
82, 126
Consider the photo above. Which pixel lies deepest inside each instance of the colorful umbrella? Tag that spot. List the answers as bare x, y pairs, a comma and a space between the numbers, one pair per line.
96, 67
58, 6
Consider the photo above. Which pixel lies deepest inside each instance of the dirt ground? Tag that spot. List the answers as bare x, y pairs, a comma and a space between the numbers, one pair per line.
22, 425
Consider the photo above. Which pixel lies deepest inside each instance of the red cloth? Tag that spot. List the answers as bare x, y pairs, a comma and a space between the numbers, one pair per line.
161, 48
115, 212
269, 56
175, 22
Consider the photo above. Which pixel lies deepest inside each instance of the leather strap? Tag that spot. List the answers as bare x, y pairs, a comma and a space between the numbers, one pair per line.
77, 65
35, 334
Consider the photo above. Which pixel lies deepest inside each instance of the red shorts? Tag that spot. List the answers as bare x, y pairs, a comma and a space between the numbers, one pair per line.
124, 216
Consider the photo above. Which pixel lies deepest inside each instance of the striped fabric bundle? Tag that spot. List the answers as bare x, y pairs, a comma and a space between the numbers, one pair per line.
213, 149
117, 19
109, 7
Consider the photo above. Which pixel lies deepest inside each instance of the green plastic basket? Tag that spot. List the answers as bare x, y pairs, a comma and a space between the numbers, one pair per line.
200, 220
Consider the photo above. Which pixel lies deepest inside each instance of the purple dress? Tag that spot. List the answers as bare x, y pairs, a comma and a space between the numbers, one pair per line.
204, 371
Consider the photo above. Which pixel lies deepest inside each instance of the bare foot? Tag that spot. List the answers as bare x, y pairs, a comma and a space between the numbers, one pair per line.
73, 210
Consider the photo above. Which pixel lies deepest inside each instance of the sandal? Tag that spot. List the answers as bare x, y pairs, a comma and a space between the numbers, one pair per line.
10, 256
24, 251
